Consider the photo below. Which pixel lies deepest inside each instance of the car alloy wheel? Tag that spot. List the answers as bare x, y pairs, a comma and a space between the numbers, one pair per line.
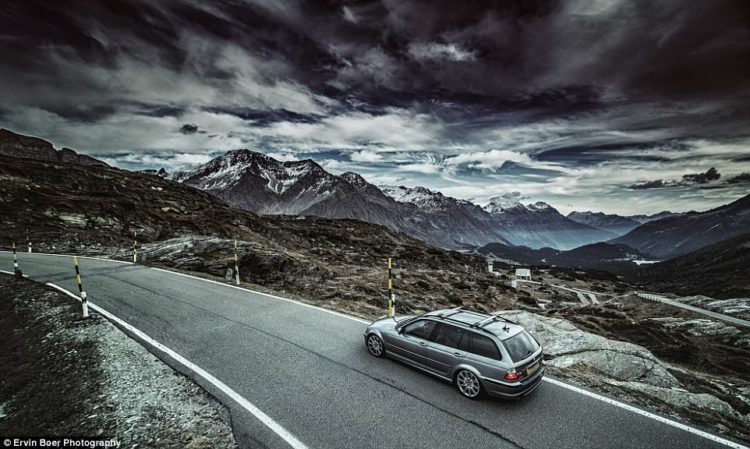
468, 384
375, 345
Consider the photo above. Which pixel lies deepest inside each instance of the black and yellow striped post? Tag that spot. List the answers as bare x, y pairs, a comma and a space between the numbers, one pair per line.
236, 263
84, 303
16, 271
135, 246
391, 295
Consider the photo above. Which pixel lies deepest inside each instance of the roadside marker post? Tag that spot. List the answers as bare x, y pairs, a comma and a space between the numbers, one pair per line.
391, 295
16, 271
28, 240
236, 263
135, 247
84, 303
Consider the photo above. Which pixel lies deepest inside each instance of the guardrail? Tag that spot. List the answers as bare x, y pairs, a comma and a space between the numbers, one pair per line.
709, 313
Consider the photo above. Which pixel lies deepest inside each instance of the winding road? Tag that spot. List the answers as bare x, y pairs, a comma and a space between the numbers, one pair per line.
296, 375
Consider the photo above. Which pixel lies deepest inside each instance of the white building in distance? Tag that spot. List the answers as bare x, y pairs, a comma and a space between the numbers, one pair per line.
523, 274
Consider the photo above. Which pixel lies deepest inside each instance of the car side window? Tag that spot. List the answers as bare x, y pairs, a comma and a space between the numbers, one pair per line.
420, 329
480, 345
447, 335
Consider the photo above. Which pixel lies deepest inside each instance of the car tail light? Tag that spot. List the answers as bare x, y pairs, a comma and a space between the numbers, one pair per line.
512, 375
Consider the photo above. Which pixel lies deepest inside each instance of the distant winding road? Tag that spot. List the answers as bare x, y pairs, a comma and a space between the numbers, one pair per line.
300, 376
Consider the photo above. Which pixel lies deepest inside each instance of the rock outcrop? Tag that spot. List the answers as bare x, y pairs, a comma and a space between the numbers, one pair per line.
568, 348
697, 327
25, 147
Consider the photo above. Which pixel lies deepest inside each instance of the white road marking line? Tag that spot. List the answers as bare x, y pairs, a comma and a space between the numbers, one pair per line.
605, 399
80, 257
332, 312
244, 403
653, 416
12, 273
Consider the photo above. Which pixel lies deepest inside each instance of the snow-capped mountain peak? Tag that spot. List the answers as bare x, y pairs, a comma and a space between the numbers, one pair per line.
499, 206
540, 206
419, 196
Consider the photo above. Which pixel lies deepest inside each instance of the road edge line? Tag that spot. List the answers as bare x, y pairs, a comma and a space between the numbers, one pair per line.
266, 420
332, 312
80, 257
653, 416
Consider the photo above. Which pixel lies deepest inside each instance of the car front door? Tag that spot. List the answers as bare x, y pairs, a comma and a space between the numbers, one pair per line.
411, 341
443, 351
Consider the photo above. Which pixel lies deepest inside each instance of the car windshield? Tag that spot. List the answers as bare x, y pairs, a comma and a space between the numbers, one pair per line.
520, 346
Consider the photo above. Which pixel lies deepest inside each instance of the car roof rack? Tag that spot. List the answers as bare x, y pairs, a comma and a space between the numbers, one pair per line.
451, 312
491, 319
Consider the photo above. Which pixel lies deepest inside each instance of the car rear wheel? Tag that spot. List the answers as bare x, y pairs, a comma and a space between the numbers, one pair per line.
468, 384
375, 345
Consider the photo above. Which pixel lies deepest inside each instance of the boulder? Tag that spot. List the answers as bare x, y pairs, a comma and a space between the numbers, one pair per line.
569, 348
701, 403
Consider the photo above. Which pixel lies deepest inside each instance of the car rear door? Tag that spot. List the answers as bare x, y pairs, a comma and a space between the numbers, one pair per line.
443, 351
483, 354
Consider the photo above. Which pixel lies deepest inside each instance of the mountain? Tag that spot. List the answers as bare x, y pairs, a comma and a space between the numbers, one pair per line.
599, 256
538, 225
684, 233
438, 214
261, 184
657, 216
616, 224
720, 270
26, 147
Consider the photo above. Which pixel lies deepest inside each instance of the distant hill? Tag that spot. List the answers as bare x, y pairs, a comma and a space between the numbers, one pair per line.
681, 234
616, 224
540, 225
26, 147
646, 218
599, 256
721, 270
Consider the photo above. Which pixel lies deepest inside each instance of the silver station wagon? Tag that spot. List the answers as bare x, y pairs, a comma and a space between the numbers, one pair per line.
479, 353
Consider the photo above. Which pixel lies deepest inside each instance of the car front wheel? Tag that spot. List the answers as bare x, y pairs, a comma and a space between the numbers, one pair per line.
468, 384
375, 345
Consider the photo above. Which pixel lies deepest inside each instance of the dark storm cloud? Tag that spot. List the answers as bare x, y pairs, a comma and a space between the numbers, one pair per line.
560, 88
189, 128
688, 179
519, 53
742, 178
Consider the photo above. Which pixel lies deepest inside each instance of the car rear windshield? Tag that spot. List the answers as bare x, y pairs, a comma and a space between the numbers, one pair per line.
520, 346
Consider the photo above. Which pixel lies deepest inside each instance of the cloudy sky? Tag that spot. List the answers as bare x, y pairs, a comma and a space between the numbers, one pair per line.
619, 106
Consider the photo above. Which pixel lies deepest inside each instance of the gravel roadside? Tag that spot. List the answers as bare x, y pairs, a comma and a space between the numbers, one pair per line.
63, 376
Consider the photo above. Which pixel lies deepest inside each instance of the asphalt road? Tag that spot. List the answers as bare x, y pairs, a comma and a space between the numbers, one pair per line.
310, 372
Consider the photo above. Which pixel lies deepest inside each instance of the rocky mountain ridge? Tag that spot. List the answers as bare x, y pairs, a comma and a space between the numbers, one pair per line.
616, 224
261, 184
25, 147
684, 233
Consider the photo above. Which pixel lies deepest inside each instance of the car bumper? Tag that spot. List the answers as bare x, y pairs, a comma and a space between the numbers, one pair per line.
513, 390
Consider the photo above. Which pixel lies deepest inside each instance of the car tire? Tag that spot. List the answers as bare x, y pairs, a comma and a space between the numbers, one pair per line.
468, 384
375, 345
